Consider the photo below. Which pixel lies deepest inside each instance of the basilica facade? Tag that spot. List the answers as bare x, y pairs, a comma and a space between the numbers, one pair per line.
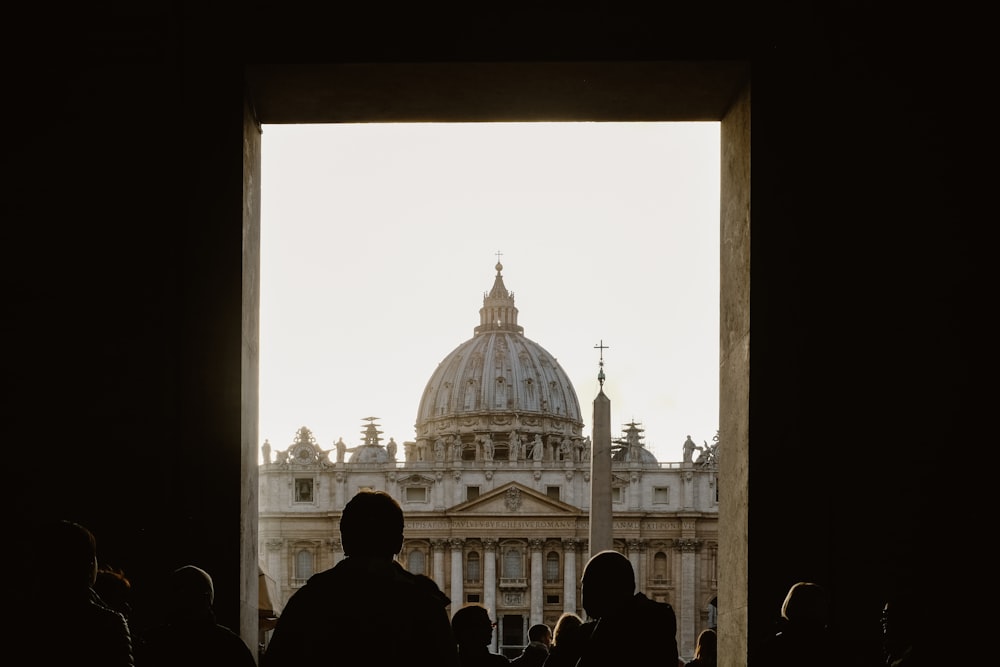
495, 487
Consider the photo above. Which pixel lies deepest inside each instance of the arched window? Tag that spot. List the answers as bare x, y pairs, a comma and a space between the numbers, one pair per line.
513, 564
552, 567
303, 565
660, 567
416, 562
472, 567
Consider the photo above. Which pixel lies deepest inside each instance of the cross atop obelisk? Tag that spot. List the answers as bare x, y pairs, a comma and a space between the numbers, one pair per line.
600, 374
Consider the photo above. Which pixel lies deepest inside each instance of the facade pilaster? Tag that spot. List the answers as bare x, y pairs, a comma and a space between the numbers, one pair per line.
341, 480
458, 495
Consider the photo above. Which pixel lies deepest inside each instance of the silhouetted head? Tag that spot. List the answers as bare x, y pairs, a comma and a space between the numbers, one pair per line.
608, 583
706, 647
540, 633
67, 554
806, 605
190, 591
114, 589
372, 525
901, 617
567, 623
472, 626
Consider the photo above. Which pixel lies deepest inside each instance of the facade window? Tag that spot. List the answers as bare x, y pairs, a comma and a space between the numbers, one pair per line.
551, 599
552, 567
303, 490
660, 567
552, 492
472, 598
513, 564
616, 494
303, 565
416, 562
472, 567
661, 495
416, 494
471, 492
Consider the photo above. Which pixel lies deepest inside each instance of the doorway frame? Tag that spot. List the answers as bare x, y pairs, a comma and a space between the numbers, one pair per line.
659, 91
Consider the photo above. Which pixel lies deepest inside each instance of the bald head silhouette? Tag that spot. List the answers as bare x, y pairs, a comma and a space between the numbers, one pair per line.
608, 583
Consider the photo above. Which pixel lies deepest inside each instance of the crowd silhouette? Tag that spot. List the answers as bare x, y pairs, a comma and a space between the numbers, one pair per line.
369, 604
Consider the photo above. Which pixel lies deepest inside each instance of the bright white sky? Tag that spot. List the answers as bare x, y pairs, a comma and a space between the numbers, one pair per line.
378, 242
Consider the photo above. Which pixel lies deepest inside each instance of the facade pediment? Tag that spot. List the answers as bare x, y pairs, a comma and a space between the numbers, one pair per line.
514, 499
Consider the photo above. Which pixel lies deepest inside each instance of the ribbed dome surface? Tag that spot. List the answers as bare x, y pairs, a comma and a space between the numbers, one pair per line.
498, 381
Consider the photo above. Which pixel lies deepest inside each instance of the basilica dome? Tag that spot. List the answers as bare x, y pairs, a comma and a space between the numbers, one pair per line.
501, 385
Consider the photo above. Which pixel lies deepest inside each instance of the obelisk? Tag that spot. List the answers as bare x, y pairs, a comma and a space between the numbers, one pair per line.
600, 469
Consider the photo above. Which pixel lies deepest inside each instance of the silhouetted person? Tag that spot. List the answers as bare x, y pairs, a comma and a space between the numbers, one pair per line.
705, 654
473, 631
190, 635
804, 636
367, 602
114, 589
630, 629
534, 654
61, 620
564, 650
904, 624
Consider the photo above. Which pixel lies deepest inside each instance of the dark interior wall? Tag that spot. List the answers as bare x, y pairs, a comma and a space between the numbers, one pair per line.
123, 189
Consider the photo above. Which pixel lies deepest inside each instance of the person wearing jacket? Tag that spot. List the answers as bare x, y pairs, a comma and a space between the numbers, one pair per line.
628, 628
367, 604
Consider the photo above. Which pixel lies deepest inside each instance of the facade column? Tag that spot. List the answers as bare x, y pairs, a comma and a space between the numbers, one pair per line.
490, 582
437, 548
537, 581
569, 574
633, 557
457, 577
686, 602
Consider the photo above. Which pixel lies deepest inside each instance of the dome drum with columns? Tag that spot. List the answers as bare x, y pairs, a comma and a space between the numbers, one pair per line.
496, 491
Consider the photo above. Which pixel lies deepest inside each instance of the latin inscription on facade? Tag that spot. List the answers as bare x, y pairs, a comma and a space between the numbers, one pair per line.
528, 524
500, 524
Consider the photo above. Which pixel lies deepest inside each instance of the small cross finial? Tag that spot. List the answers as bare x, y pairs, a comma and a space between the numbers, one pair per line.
498, 256
600, 375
